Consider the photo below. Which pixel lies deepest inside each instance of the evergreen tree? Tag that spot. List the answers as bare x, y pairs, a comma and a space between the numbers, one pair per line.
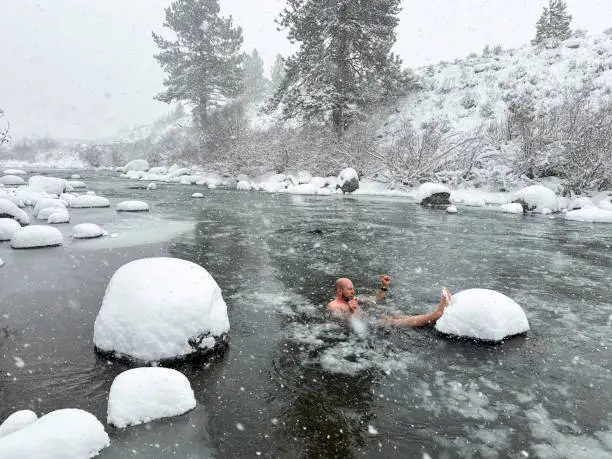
203, 64
254, 83
277, 72
554, 22
344, 64
4, 130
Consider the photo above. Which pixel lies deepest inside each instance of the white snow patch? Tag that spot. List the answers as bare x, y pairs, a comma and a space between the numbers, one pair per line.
132, 206
451, 209
511, 208
590, 214
87, 231
16, 421
8, 227
160, 308
197, 195
482, 314
35, 236
62, 434
142, 395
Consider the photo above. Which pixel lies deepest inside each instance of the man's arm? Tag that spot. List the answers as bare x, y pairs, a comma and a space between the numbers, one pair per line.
422, 320
385, 281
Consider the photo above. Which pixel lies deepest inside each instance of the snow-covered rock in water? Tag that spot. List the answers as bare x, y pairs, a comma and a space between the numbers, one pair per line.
36, 236
482, 314
51, 185
135, 175
48, 211
152, 186
14, 199
511, 208
132, 206
142, 395
451, 209
433, 195
137, 165
91, 193
175, 173
348, 180
77, 184
305, 188
590, 214
88, 201
8, 227
197, 195
87, 231
44, 203
14, 172
12, 180
211, 186
580, 203
537, 198
16, 421
603, 200
243, 185
59, 216
75, 177
62, 434
1, 262
304, 177
319, 182
10, 210
161, 308
159, 170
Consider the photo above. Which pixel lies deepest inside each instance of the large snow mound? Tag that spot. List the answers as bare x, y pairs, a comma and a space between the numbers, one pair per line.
36, 236
8, 227
482, 314
45, 203
9, 209
144, 394
428, 189
538, 198
590, 214
62, 434
12, 180
57, 217
161, 308
87, 231
52, 185
132, 206
137, 165
16, 421
87, 201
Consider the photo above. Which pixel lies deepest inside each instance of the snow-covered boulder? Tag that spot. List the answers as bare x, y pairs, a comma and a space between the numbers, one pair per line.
51, 185
537, 198
433, 195
304, 177
8, 227
75, 177
16, 421
482, 314
152, 186
603, 200
48, 211
59, 216
36, 236
511, 208
175, 173
12, 180
137, 165
159, 170
197, 195
580, 203
10, 210
87, 231
132, 206
348, 180
142, 395
88, 201
45, 203
211, 186
62, 434
319, 182
14, 172
590, 214
243, 185
135, 175
161, 308
77, 184
91, 193
13, 198
1, 262
451, 209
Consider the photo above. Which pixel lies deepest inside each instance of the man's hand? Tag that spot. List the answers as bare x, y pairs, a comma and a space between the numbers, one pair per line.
385, 281
353, 304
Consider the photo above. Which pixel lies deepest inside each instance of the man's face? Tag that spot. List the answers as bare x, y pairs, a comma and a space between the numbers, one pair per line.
347, 290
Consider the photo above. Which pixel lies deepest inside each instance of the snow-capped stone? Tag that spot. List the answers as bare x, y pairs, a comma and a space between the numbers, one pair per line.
243, 185
45, 213
211, 186
14, 172
44, 203
57, 217
36, 236
13, 198
51, 185
482, 314
537, 197
348, 180
9, 210
197, 195
319, 182
161, 308
1, 262
152, 186
88, 201
580, 203
603, 200
451, 209
87, 231
179, 171
132, 206
135, 175
75, 177
91, 193
12, 180
142, 395
62, 434
433, 194
159, 170
16, 421
77, 184
136, 165
304, 177
8, 227
511, 208
590, 214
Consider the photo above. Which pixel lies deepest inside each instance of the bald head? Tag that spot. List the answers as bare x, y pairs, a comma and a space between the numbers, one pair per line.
344, 288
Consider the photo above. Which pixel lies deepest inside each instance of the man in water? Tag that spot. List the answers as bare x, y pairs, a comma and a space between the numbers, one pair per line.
346, 304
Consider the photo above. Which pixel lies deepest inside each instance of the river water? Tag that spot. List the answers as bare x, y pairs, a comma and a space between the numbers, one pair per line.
292, 383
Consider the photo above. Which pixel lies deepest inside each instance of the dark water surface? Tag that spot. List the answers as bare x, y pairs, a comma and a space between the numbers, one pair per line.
293, 384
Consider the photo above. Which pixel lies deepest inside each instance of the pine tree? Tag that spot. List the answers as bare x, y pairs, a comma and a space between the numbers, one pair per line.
4, 130
554, 22
203, 64
254, 83
344, 64
277, 72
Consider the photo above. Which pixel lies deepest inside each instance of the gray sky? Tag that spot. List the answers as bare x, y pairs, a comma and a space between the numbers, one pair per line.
84, 68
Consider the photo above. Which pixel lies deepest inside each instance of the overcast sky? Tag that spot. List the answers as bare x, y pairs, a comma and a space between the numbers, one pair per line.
84, 68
